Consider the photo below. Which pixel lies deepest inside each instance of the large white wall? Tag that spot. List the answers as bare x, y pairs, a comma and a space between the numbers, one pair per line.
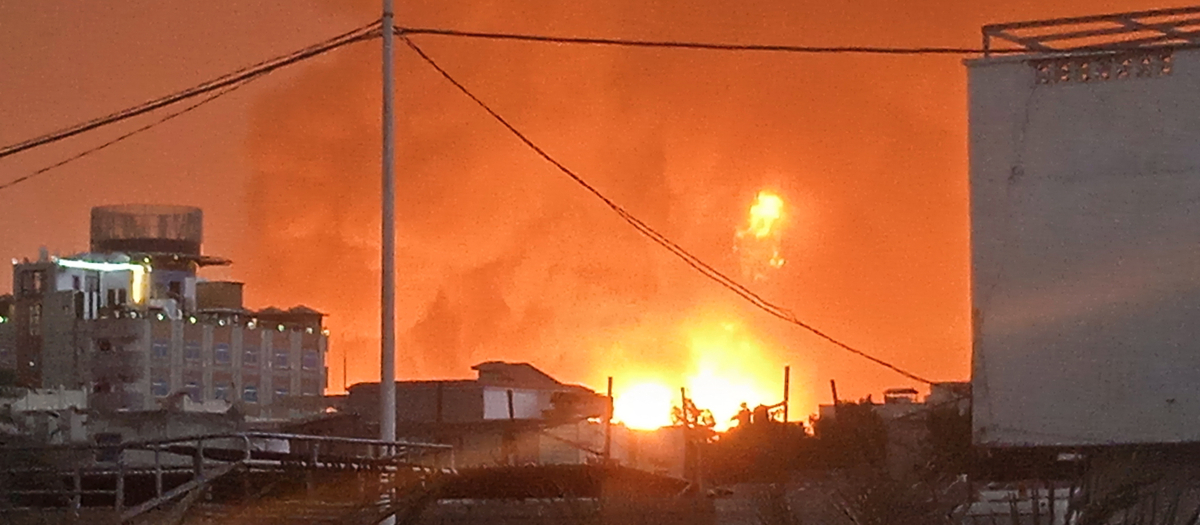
1085, 240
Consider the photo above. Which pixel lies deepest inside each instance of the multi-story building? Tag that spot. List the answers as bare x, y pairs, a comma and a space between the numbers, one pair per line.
133, 323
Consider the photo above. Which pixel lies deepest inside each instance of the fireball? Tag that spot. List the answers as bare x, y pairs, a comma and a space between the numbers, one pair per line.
759, 242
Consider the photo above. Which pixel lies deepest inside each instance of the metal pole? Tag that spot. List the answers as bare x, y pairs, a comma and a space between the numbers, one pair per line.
77, 491
158, 472
608, 415
787, 390
387, 361
119, 504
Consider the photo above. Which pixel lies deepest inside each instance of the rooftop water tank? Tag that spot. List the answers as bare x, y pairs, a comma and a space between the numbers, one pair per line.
147, 228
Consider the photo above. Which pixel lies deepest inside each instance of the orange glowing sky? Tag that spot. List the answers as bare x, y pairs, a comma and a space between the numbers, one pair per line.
501, 258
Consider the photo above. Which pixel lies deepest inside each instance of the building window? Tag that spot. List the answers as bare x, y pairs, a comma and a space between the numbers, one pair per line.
250, 356
31, 282
220, 391
35, 319
221, 354
309, 360
108, 454
281, 391
76, 283
191, 351
192, 389
159, 388
308, 387
160, 349
250, 394
281, 359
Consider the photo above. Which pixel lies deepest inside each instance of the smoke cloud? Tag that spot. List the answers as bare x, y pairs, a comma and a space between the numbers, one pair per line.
501, 257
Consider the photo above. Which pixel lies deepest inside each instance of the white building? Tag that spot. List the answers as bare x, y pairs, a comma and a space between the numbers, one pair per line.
1085, 198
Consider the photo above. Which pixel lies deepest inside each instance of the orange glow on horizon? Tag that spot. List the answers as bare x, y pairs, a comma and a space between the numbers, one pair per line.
726, 367
644, 406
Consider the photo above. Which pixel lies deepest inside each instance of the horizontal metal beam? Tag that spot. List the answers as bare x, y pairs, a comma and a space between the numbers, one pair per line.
209, 476
1093, 18
1133, 26
147, 443
1087, 33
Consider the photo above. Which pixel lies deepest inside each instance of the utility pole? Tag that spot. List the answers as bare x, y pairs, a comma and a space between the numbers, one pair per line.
787, 390
387, 360
608, 416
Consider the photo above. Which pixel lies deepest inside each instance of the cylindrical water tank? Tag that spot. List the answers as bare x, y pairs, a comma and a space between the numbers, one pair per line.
147, 228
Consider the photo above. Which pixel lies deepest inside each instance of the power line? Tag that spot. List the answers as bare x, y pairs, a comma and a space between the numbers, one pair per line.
370, 30
362, 33
689, 259
124, 136
621, 42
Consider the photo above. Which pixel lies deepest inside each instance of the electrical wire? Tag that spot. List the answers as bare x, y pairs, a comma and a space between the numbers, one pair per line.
124, 136
365, 32
649, 232
621, 42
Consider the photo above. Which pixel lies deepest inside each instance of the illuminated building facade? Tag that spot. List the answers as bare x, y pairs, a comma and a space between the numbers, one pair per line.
133, 323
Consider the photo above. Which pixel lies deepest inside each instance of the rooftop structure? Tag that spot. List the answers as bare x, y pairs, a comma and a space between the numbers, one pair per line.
132, 322
1120, 31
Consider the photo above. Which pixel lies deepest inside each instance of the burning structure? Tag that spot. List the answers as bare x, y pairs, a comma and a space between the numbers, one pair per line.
132, 322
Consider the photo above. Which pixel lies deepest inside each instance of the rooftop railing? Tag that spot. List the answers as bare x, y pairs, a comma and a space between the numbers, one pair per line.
1098, 33
54, 475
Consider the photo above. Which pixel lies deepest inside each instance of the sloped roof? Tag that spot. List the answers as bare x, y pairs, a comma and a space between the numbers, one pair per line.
303, 310
500, 373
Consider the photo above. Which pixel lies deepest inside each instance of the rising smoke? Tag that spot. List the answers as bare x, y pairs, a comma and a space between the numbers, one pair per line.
503, 258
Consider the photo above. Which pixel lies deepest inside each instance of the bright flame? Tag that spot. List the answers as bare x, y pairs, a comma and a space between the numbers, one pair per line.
726, 368
644, 406
759, 242
764, 213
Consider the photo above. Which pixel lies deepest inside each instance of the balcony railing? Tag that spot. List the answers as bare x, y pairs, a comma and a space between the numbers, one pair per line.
96, 475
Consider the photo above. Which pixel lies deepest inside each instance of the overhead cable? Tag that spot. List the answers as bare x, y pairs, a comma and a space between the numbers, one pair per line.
671, 44
649, 232
124, 136
362, 33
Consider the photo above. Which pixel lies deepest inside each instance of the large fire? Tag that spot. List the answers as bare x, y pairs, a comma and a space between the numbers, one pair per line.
759, 242
726, 367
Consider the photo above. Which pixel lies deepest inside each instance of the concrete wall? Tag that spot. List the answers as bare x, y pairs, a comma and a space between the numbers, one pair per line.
527, 404
64, 348
1085, 237
417, 402
223, 360
8, 344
